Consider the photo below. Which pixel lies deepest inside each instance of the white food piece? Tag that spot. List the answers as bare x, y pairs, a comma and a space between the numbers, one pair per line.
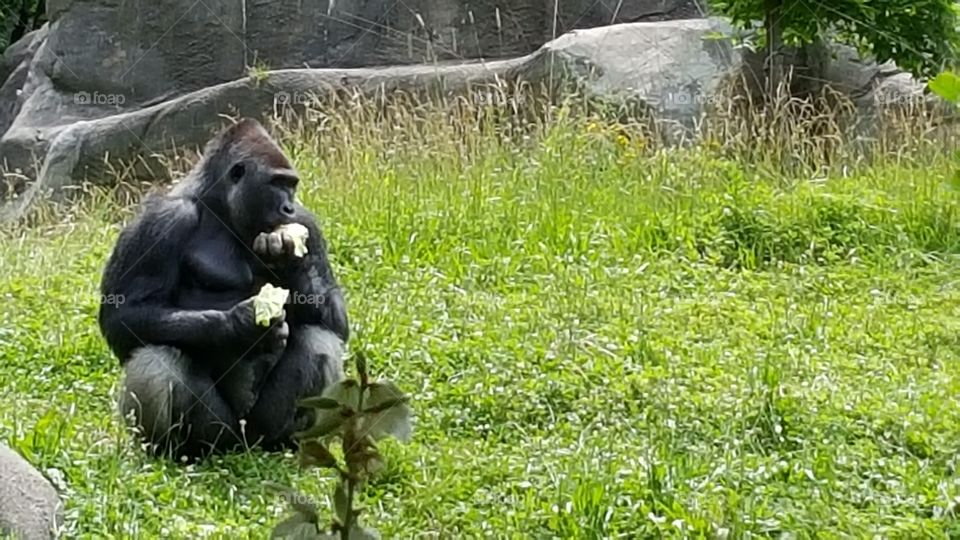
299, 233
268, 304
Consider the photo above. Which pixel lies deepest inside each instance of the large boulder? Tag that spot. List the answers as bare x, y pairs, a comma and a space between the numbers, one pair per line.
30, 507
14, 66
673, 68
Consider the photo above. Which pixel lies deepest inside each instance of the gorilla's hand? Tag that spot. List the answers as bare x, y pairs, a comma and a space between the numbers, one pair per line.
249, 334
277, 247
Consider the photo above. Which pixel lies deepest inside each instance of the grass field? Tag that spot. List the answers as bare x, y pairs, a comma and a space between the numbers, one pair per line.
602, 339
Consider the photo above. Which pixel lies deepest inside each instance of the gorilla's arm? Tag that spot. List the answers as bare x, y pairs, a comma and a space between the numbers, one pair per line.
142, 275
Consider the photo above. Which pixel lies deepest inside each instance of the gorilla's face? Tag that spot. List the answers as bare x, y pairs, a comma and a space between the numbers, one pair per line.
261, 196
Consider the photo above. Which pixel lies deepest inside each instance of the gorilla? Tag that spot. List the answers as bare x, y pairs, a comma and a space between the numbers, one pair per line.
199, 374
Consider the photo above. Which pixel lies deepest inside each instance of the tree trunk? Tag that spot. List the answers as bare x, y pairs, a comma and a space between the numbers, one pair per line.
774, 12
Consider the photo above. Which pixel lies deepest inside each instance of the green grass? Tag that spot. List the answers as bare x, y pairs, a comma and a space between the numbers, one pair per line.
601, 340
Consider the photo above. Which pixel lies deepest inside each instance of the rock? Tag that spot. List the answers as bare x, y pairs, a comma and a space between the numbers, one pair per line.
592, 13
30, 507
871, 86
675, 68
13, 74
149, 51
875, 86
18, 52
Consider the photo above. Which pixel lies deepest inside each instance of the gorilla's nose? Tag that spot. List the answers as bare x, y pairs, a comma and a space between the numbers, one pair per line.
287, 210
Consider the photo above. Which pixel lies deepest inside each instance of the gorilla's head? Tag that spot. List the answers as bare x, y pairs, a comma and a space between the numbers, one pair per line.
247, 179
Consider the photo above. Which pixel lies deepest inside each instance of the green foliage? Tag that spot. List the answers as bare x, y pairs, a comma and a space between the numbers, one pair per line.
947, 86
920, 35
258, 72
360, 413
17, 17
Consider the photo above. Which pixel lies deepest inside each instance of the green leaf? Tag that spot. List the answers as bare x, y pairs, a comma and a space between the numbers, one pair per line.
382, 392
395, 421
319, 402
313, 453
340, 506
386, 412
327, 423
296, 527
346, 393
947, 86
386, 405
268, 304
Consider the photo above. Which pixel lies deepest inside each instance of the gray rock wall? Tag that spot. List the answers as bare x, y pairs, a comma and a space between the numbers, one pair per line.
152, 50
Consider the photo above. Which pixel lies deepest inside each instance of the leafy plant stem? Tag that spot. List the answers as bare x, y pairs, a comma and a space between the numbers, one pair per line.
349, 442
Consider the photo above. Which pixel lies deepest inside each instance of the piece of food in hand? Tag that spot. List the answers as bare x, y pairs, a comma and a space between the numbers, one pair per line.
268, 304
299, 234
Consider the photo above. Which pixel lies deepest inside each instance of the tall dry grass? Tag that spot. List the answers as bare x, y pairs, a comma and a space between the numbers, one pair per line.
786, 137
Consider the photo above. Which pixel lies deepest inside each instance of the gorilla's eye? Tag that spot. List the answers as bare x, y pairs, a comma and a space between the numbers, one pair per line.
237, 171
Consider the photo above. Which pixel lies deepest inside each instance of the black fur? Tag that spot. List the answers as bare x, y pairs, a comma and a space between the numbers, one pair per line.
200, 375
